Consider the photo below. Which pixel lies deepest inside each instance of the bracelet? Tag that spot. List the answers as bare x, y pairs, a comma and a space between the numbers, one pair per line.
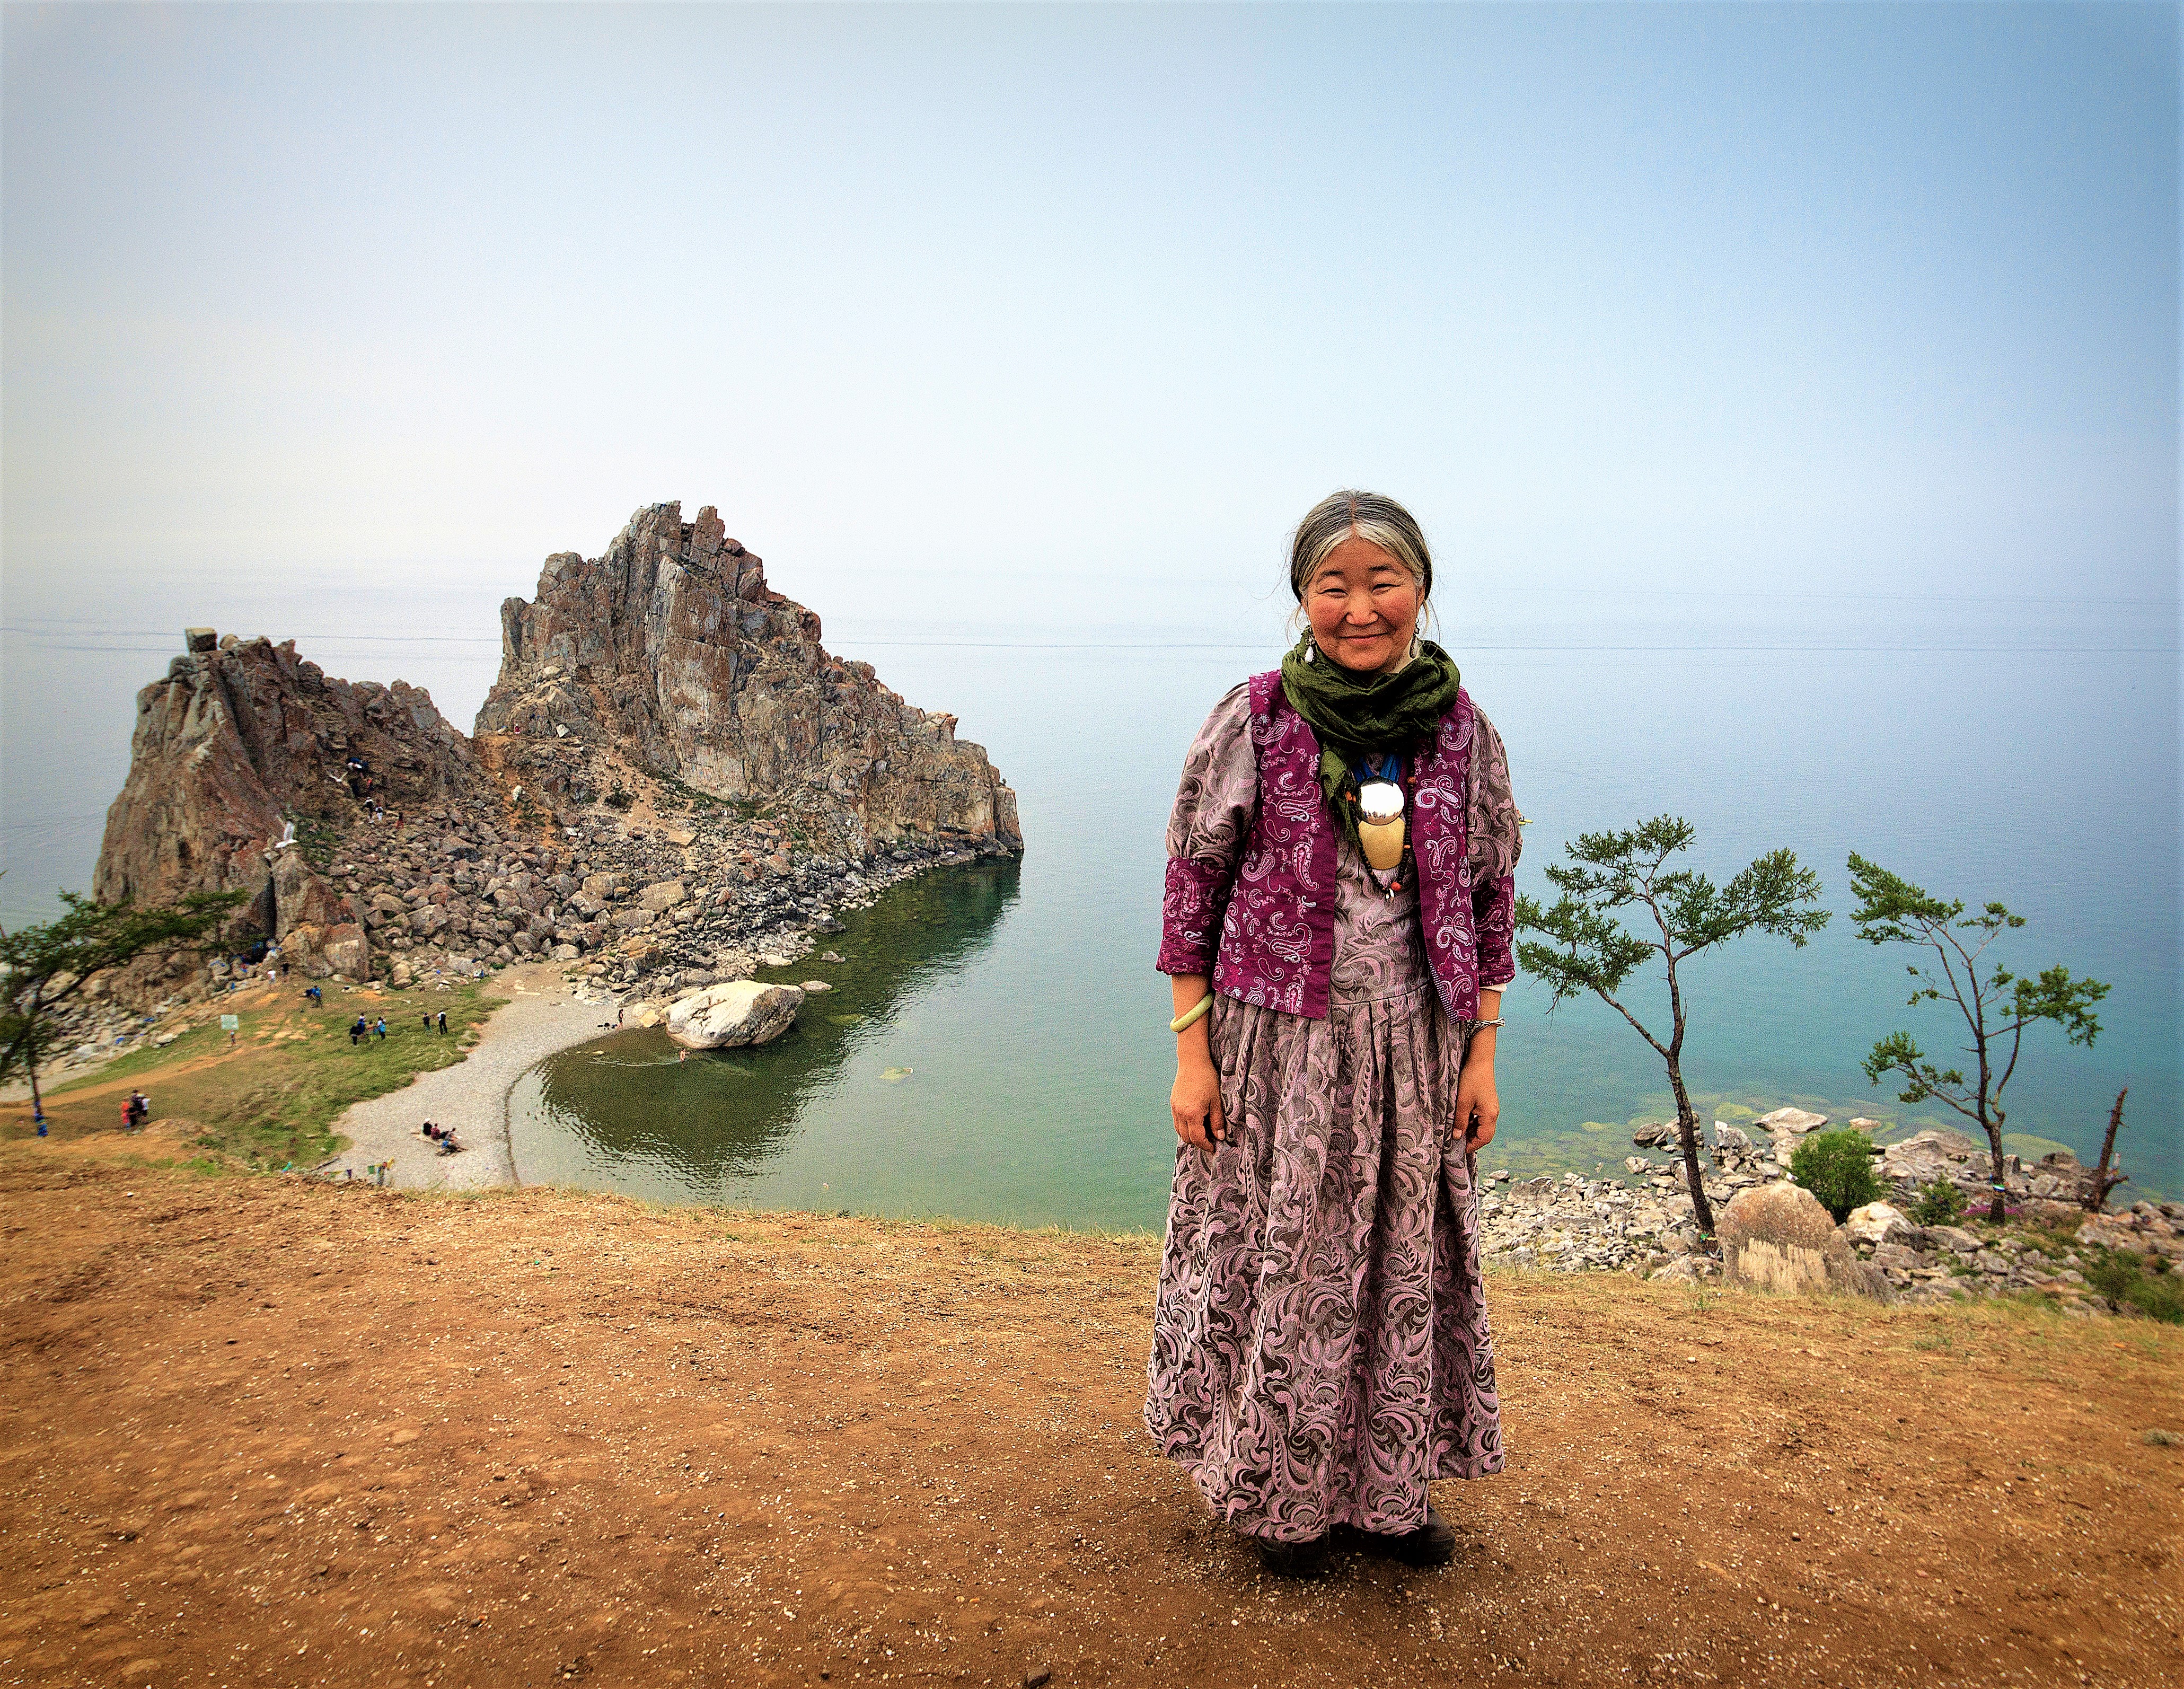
1191, 1015
1477, 1026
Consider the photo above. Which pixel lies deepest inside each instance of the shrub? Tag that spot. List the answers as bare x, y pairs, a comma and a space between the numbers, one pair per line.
2142, 1283
1939, 1204
1838, 1168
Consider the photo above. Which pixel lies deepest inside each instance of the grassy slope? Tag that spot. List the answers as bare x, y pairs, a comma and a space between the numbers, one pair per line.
271, 1100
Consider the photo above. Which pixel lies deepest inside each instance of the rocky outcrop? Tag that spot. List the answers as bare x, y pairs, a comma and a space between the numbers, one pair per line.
670, 776
245, 745
669, 658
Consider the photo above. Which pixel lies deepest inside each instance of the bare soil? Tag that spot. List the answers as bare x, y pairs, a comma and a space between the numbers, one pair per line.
270, 1432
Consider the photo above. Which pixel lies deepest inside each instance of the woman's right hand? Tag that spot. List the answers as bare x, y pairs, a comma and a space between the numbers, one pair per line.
1195, 1102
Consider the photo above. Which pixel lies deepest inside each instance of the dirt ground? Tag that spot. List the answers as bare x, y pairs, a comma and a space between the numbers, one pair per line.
269, 1431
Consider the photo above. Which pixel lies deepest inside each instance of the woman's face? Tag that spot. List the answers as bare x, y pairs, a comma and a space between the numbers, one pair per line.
1363, 606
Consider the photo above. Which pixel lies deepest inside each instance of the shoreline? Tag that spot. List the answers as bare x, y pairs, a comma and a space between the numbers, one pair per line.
540, 1018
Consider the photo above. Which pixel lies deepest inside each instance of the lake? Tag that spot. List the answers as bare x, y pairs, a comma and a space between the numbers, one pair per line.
995, 1047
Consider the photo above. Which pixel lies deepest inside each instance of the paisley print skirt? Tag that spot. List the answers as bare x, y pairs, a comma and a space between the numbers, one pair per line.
1320, 1346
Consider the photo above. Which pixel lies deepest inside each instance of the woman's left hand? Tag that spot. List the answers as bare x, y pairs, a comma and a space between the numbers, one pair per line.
1478, 1107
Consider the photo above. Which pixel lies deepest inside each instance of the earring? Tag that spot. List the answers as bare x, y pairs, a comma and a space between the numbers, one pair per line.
1311, 649
1416, 646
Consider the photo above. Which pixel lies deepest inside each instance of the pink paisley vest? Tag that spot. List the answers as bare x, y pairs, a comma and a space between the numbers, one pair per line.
1274, 911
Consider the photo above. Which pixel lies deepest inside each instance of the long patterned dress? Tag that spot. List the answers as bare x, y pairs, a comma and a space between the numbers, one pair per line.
1320, 1344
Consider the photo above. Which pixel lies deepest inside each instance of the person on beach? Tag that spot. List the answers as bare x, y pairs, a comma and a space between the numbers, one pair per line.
1341, 862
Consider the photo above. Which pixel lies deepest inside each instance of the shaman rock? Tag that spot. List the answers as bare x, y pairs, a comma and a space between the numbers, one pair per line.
671, 650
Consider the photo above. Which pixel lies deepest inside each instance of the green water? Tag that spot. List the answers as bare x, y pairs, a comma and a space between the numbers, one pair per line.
904, 1090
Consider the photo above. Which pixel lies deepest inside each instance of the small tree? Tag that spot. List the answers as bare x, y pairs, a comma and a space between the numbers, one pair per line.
43, 967
1938, 1204
1838, 1168
1997, 1009
1587, 948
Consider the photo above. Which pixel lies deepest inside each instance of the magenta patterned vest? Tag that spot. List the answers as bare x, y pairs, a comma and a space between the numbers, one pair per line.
1275, 912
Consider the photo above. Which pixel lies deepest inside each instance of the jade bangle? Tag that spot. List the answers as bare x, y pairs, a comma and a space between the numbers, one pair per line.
1192, 1015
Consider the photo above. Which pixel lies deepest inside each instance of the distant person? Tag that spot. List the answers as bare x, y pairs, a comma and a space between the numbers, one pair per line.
140, 1109
1320, 1351
314, 994
427, 1018
359, 1031
380, 1028
443, 1020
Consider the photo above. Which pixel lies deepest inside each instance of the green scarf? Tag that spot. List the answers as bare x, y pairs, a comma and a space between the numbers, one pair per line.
1356, 715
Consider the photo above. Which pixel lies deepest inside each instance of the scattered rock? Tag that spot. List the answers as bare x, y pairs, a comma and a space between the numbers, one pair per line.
1878, 1222
811, 986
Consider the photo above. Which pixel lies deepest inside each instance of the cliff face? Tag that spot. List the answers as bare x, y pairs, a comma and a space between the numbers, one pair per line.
243, 738
670, 651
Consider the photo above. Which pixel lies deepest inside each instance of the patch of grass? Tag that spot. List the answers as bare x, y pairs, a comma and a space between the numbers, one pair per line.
2142, 1283
270, 1102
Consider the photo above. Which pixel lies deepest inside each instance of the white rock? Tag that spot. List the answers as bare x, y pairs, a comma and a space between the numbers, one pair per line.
810, 986
1731, 1138
725, 1017
663, 896
1791, 1120
1877, 1223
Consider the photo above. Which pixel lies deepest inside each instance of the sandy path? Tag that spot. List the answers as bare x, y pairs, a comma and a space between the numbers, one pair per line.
472, 1095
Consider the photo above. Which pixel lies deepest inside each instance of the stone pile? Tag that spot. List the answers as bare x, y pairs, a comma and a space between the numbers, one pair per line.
1936, 1264
1644, 1222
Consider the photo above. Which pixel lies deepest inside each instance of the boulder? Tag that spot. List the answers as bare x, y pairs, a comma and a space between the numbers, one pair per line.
1932, 1154
1658, 1134
741, 1013
1786, 1128
1878, 1222
1778, 1237
662, 897
1730, 1140
347, 951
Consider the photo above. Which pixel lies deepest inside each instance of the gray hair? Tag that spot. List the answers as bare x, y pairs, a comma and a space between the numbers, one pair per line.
1372, 517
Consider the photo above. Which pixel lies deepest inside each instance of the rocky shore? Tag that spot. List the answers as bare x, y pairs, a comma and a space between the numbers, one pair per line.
1644, 1223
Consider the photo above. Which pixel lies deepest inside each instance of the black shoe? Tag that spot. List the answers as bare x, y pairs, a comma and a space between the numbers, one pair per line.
1292, 1560
1432, 1544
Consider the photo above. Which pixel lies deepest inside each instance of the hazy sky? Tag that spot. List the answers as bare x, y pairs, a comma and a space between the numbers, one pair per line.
998, 316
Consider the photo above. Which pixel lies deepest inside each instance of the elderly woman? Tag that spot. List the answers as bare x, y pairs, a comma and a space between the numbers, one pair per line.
1339, 863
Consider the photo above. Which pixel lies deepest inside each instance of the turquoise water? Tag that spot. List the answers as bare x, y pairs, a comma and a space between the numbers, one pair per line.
1010, 1060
